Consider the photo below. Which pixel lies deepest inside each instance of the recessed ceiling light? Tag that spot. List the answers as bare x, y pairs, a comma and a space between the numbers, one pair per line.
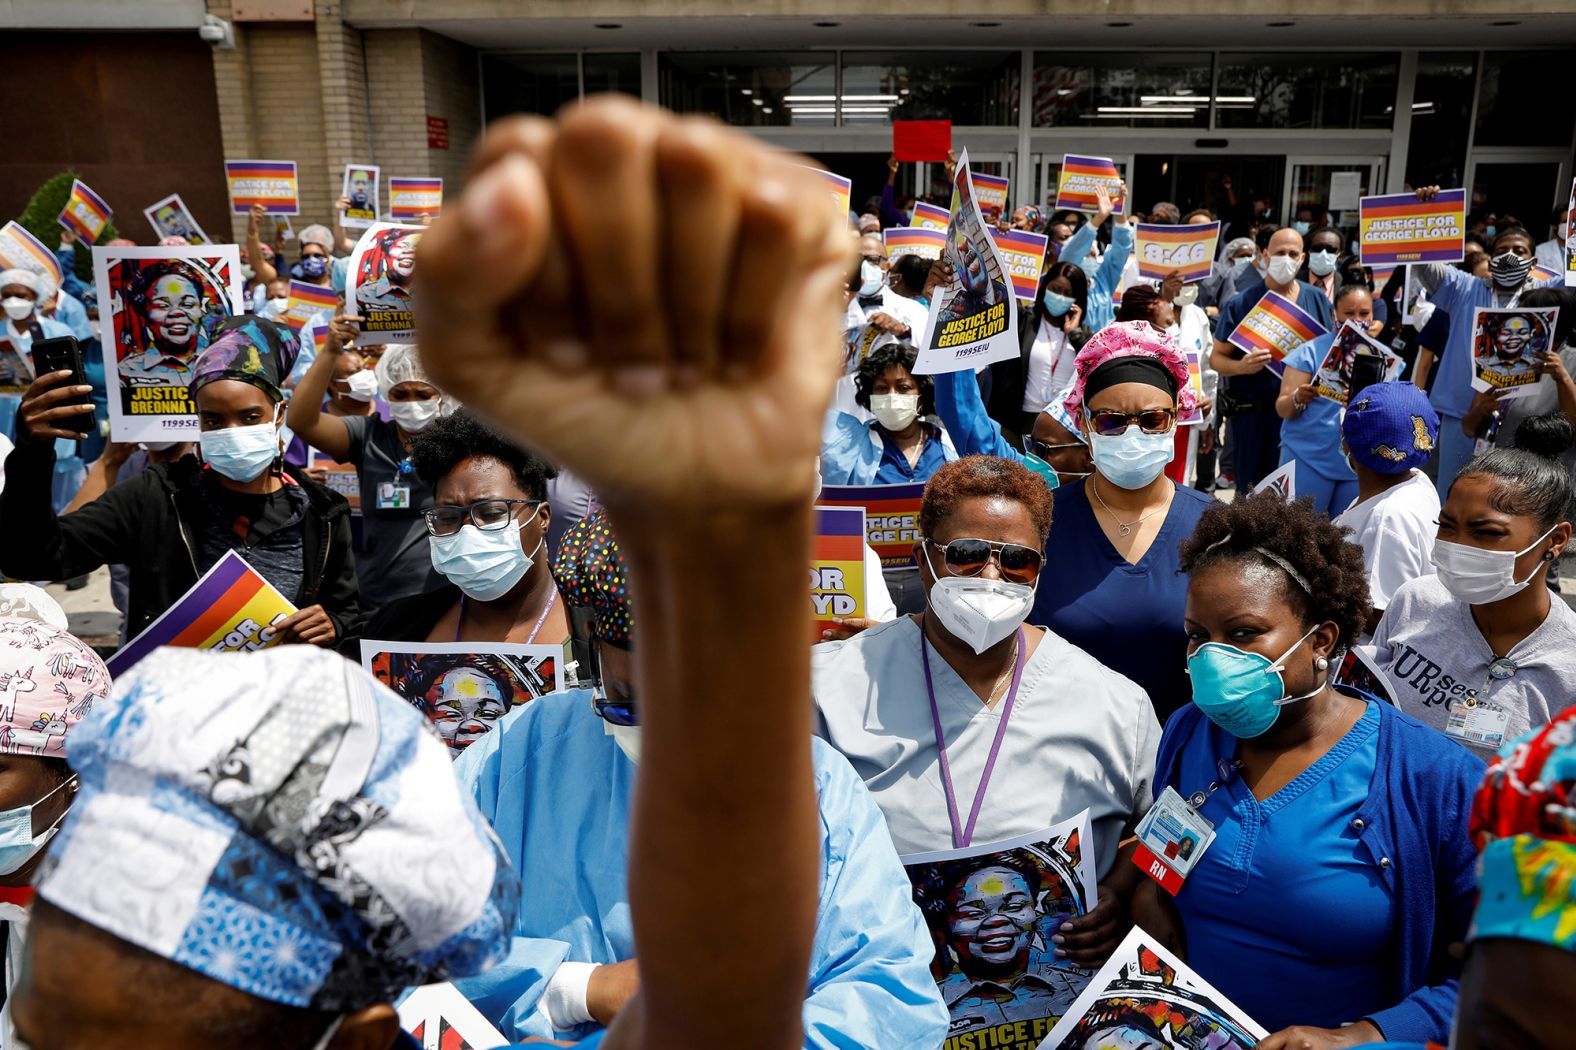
1280, 25
826, 25
1504, 25
986, 25
609, 25
746, 91
1119, 25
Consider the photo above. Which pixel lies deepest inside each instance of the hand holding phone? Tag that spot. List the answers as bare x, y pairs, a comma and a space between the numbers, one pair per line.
64, 354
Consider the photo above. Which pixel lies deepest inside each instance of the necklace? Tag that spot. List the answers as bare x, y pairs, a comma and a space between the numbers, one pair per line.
1001, 679
1126, 527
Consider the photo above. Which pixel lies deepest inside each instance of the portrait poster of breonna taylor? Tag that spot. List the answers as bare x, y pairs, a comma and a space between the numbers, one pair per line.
992, 911
158, 309
1507, 345
380, 288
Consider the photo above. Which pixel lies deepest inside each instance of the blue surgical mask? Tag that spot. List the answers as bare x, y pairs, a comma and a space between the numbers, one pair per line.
18, 844
312, 266
241, 453
1321, 264
1301, 227
1046, 472
484, 563
1057, 305
1132, 459
1239, 691
1489, 231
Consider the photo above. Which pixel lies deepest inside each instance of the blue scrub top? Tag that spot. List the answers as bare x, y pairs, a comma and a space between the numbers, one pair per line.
1284, 913
1314, 435
894, 468
1310, 300
1128, 617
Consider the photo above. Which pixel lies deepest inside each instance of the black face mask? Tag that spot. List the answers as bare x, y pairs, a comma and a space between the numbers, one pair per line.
1507, 269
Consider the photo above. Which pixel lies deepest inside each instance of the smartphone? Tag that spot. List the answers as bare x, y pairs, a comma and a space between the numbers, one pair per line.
1367, 369
65, 354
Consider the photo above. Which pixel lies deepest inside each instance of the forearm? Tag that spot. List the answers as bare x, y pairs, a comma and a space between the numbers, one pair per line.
1286, 404
1078, 245
341, 238
1422, 367
725, 775
963, 414
262, 269
1567, 392
1220, 360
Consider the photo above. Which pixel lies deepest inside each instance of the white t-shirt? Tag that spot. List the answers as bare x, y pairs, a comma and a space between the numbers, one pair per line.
1051, 365
1081, 737
878, 599
1396, 531
1430, 648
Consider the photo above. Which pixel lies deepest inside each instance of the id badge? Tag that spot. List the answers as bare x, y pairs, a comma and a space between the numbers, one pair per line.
1171, 839
393, 496
1474, 721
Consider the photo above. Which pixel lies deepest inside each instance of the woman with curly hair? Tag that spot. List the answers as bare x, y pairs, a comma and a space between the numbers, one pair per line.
1339, 872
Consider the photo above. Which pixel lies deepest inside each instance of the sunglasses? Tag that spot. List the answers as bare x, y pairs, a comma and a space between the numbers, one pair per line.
1109, 423
613, 712
968, 557
1044, 449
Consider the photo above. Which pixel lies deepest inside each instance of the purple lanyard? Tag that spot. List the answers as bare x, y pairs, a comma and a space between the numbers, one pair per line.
965, 837
552, 600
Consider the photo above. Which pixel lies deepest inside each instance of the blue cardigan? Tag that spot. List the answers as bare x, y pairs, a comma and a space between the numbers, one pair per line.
1415, 830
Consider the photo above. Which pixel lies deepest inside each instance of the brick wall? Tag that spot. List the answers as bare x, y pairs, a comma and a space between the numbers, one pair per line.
452, 82
396, 102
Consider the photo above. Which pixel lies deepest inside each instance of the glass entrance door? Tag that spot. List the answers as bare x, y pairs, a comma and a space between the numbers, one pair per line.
1311, 180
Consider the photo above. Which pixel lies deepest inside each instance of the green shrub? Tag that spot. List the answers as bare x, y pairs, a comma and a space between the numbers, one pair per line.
41, 218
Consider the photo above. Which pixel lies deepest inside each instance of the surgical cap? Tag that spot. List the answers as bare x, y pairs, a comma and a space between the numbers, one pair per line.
319, 235
1236, 244
589, 571
252, 350
1136, 339
283, 824
26, 278
25, 601
50, 679
399, 363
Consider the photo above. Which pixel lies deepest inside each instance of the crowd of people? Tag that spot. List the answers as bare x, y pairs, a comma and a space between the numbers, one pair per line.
1364, 692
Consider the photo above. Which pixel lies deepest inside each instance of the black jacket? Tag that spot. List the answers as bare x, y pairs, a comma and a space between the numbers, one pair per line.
408, 619
1003, 390
152, 524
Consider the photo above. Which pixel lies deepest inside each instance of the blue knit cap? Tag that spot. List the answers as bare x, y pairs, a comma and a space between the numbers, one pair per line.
1390, 428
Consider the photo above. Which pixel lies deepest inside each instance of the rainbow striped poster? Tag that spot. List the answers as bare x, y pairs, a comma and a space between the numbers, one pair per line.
923, 241
930, 216
1024, 254
1075, 186
891, 517
1398, 228
842, 189
85, 213
271, 183
230, 610
307, 300
1163, 249
990, 193
20, 250
1275, 324
411, 199
837, 566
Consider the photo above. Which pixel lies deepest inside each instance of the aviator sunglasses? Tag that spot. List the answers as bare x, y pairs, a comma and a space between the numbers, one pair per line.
968, 557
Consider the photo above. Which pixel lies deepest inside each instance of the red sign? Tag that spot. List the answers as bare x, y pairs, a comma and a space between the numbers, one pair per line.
437, 133
914, 140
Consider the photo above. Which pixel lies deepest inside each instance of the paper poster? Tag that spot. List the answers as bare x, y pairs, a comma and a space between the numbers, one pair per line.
1075, 186
171, 218
973, 320
990, 193
1145, 998
85, 213
361, 189
891, 517
1570, 239
923, 241
230, 610
410, 200
1346, 190
158, 309
860, 340
16, 369
930, 216
842, 189
1161, 249
1398, 228
1360, 670
465, 687
1275, 324
837, 566
1283, 481
1506, 345
336, 477
438, 1017
921, 140
307, 300
1195, 379
271, 183
1333, 380
20, 250
1413, 295
992, 911
1024, 254
1540, 273
282, 228
379, 285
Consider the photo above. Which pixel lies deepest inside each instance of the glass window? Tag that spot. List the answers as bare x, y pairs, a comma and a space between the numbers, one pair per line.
1520, 103
1122, 90
970, 88
1436, 150
751, 89
1306, 90
513, 83
614, 72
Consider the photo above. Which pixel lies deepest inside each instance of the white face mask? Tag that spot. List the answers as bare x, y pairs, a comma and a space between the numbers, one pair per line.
241, 453
626, 737
1187, 295
1283, 268
1477, 576
980, 612
484, 563
17, 308
870, 278
1321, 264
18, 844
415, 416
895, 411
364, 387
279, 305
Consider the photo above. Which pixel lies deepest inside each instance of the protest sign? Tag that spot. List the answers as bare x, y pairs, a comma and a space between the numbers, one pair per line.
973, 318
158, 309
1146, 997
1163, 249
842, 189
379, 285
1283, 480
336, 476
860, 341
1398, 228
465, 687
1360, 670
922, 241
1079, 178
85, 213
1275, 324
837, 566
411, 200
1333, 379
1507, 344
361, 190
231, 609
20, 250
930, 216
1539, 273
891, 517
16, 369
438, 1017
1024, 254
271, 183
990, 193
921, 140
992, 911
1570, 238
171, 218
1195, 379
1413, 296
307, 300
314, 332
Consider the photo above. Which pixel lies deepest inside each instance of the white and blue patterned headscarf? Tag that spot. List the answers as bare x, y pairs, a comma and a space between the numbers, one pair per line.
282, 823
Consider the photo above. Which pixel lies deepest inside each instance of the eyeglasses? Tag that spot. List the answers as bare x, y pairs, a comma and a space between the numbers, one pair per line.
1108, 423
1044, 449
968, 557
488, 515
613, 712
